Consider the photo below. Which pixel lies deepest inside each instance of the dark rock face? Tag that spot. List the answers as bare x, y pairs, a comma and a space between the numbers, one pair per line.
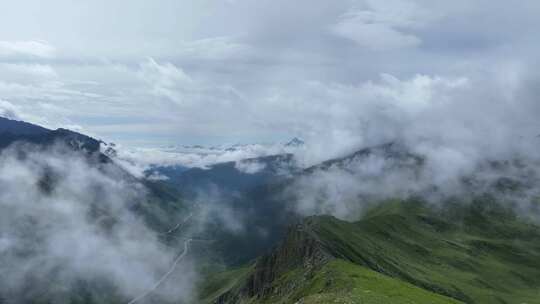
301, 248
295, 142
76, 140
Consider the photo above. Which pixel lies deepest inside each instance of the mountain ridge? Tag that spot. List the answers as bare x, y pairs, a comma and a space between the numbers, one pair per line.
408, 242
12, 131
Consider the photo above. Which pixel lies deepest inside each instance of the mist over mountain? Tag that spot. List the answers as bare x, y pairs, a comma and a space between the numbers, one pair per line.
66, 201
269, 151
145, 161
68, 196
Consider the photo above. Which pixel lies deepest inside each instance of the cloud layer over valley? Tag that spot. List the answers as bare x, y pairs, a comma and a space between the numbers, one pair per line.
68, 230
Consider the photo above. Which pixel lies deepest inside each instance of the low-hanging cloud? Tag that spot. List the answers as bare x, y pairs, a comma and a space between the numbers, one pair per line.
66, 223
139, 160
461, 128
8, 110
450, 88
249, 167
347, 188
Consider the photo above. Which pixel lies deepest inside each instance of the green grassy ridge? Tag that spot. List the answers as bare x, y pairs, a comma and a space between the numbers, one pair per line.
218, 283
474, 253
343, 282
338, 281
477, 258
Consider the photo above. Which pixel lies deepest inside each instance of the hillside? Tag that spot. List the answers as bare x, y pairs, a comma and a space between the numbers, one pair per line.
228, 177
473, 253
400, 251
160, 207
265, 200
57, 184
13, 131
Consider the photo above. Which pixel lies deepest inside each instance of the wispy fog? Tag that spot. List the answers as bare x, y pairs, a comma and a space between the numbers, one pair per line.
348, 187
67, 230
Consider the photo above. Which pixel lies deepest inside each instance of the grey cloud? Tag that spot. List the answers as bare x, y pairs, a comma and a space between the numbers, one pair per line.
261, 81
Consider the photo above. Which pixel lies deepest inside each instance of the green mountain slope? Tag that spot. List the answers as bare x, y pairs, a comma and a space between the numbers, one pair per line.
478, 252
344, 282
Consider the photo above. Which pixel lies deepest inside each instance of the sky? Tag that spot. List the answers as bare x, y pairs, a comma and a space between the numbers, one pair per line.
339, 74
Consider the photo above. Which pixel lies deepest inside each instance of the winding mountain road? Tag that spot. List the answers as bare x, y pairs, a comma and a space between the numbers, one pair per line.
173, 266
179, 225
166, 275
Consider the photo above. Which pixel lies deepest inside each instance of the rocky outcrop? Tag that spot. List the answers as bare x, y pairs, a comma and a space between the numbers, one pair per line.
300, 251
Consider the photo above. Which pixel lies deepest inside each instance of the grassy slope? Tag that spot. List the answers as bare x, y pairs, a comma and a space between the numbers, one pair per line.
482, 256
338, 282
342, 282
475, 253
217, 284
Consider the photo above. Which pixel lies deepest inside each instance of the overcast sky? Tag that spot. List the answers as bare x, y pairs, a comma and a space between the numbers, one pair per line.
152, 73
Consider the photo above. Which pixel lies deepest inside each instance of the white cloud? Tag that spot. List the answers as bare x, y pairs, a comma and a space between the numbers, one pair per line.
249, 167
138, 160
383, 25
166, 80
415, 94
8, 110
85, 211
29, 70
346, 191
27, 48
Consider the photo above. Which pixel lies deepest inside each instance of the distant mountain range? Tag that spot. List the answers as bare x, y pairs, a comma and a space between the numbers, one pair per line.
172, 158
234, 176
251, 245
